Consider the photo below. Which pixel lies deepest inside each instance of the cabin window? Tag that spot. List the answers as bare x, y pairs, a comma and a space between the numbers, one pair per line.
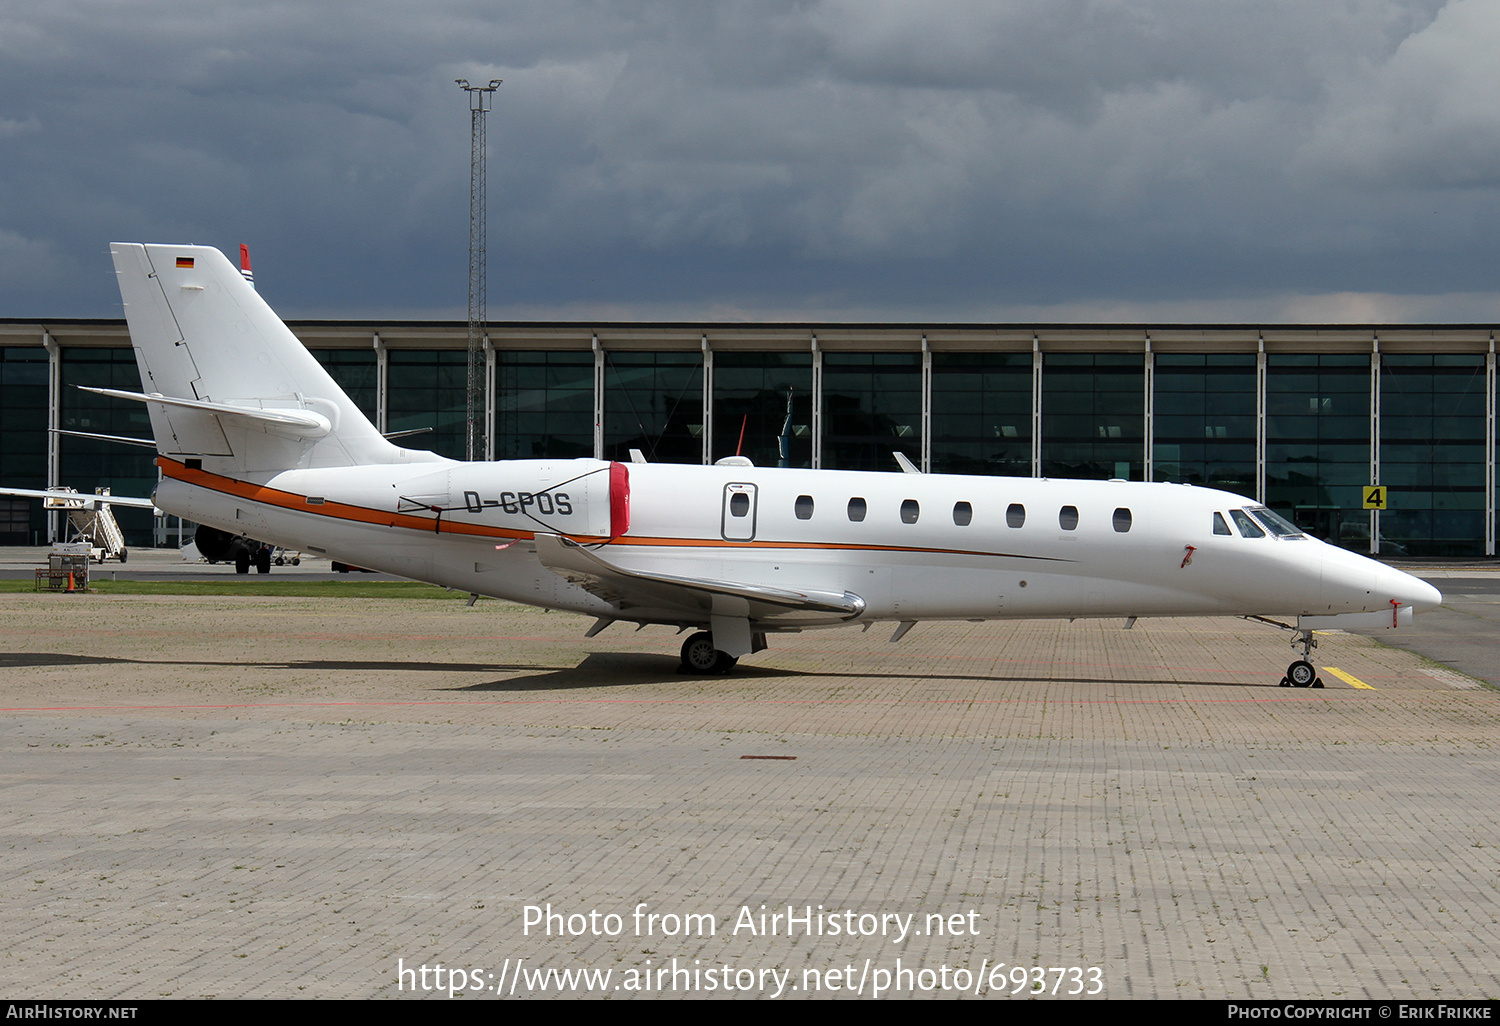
1220, 527
856, 510
1122, 520
1247, 526
739, 504
1015, 514
804, 507
963, 514
910, 511
1067, 518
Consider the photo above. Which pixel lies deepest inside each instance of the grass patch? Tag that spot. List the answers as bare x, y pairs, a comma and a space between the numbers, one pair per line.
265, 588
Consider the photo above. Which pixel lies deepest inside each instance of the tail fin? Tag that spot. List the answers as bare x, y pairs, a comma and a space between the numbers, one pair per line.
233, 386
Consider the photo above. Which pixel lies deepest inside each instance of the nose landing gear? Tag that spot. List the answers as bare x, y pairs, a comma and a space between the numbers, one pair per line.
1302, 673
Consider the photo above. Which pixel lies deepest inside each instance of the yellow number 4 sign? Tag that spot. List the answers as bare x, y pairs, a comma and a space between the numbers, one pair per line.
1375, 497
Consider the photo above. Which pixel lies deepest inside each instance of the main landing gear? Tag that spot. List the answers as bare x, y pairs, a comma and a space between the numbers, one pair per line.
1302, 673
699, 655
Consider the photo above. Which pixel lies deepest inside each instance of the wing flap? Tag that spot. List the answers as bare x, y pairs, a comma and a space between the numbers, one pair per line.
694, 597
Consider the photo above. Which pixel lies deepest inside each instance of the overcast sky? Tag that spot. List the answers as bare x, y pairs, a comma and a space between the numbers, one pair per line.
1158, 160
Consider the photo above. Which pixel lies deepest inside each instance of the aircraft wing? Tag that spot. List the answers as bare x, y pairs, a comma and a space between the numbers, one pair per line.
692, 598
78, 500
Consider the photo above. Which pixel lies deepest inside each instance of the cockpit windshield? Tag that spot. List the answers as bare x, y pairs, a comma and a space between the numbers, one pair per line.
1247, 527
1275, 523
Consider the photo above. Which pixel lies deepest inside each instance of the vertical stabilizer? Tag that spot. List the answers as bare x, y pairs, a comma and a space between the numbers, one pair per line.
202, 334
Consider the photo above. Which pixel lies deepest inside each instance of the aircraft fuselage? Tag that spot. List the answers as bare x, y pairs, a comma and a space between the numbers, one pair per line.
909, 547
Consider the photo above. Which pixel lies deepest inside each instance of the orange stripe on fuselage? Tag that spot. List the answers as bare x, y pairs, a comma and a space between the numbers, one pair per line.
435, 525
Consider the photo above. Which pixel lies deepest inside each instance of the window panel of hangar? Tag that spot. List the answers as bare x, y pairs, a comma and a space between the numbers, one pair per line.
981, 413
356, 372
750, 400
544, 404
23, 425
1318, 443
1432, 426
1204, 433
1093, 415
872, 407
653, 402
89, 463
429, 388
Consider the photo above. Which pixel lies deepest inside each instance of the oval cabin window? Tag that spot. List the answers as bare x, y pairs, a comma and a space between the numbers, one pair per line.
739, 504
856, 510
1067, 518
963, 514
1015, 515
910, 511
804, 507
1122, 520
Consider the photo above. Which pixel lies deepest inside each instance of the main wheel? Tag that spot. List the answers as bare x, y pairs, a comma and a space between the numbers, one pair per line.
700, 656
242, 562
1301, 673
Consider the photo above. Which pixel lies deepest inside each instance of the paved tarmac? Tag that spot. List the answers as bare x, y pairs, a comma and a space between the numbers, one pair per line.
275, 797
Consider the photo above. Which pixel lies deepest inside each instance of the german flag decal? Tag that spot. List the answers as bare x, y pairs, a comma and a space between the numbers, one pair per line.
184, 261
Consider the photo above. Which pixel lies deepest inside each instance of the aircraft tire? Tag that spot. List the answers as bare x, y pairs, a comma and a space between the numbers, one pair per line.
124, 555
700, 657
242, 562
263, 561
1301, 674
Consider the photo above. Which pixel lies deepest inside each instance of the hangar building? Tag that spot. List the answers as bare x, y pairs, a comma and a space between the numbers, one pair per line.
1299, 417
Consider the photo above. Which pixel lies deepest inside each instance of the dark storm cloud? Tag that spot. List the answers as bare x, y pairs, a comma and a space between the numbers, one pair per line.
837, 158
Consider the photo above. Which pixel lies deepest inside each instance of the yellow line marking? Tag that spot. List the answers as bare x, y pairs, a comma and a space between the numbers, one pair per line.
1349, 678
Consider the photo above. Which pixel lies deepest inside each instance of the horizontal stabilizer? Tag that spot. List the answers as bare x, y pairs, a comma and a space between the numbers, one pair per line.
305, 423
68, 499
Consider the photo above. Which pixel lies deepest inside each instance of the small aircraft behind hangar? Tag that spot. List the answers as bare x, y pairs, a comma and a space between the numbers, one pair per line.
255, 439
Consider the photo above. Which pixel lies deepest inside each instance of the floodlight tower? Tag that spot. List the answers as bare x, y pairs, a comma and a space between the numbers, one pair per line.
479, 106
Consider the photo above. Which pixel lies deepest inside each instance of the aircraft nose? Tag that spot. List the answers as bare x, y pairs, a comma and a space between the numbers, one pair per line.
1412, 591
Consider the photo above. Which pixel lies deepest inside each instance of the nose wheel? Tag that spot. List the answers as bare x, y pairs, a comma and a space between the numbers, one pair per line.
701, 657
1302, 673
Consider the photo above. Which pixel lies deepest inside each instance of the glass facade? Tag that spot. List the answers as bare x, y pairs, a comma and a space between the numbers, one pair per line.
653, 402
762, 406
981, 413
1204, 427
89, 463
1318, 443
1430, 415
430, 388
1094, 416
544, 405
356, 372
1432, 427
872, 407
23, 425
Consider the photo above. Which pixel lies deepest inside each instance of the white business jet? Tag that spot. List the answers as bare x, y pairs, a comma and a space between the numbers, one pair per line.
254, 438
